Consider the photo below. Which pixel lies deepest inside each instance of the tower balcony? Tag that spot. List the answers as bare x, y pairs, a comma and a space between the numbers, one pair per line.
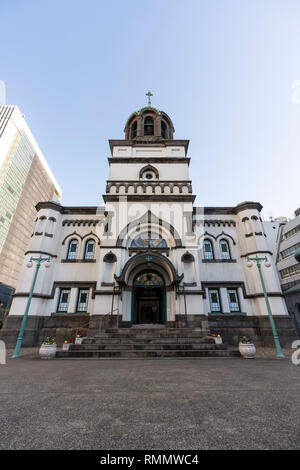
149, 187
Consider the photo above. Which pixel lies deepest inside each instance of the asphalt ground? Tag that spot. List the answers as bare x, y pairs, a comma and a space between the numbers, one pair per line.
193, 404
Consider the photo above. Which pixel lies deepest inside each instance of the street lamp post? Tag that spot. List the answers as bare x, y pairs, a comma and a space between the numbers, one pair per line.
38, 261
258, 261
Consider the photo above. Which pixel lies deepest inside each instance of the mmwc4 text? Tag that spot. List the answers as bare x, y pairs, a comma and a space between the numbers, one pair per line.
171, 459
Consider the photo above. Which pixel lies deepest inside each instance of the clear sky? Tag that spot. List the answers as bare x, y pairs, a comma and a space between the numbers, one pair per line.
222, 69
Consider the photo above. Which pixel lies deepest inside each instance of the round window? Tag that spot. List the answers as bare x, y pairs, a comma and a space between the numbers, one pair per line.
149, 176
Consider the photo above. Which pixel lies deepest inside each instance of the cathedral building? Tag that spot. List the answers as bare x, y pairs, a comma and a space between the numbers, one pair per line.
149, 256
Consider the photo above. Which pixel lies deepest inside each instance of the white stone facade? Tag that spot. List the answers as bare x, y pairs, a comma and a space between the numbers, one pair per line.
136, 203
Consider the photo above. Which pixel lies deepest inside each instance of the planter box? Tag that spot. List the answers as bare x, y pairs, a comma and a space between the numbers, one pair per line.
65, 346
47, 351
79, 340
248, 351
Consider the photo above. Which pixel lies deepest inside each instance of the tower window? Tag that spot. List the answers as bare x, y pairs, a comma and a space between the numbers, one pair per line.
149, 126
163, 130
133, 130
149, 173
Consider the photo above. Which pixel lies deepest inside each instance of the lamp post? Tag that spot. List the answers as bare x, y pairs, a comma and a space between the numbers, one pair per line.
38, 261
258, 261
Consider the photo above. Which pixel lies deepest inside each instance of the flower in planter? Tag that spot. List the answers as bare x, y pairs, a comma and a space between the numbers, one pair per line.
68, 341
245, 340
81, 335
49, 340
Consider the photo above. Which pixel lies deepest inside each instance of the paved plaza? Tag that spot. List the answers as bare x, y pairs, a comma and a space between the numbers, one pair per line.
150, 404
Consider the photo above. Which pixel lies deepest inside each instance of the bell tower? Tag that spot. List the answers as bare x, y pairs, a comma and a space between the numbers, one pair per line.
149, 124
149, 164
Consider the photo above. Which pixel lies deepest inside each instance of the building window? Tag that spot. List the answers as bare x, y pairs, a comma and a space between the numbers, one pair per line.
149, 126
214, 300
208, 250
290, 271
63, 301
224, 247
83, 297
164, 130
148, 240
89, 249
233, 300
72, 251
149, 172
289, 251
133, 130
290, 233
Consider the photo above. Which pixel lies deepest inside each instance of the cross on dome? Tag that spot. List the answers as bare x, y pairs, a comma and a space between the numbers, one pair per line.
149, 94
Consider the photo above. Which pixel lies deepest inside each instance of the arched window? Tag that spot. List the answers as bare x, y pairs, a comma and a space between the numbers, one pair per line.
208, 251
224, 248
149, 126
151, 240
164, 130
72, 251
247, 226
149, 172
89, 249
149, 279
133, 130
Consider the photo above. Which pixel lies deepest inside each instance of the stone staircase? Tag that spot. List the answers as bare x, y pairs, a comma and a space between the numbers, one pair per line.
148, 342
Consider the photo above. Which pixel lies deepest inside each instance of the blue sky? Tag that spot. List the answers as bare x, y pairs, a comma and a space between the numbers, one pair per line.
222, 69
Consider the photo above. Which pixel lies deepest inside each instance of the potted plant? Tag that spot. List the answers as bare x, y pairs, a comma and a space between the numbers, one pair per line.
217, 338
66, 344
79, 338
48, 348
247, 348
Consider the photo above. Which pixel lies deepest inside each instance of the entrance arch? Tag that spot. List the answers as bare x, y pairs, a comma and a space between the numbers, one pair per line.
148, 261
148, 304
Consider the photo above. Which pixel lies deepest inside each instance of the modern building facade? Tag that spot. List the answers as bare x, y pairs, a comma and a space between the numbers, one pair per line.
149, 255
289, 267
25, 179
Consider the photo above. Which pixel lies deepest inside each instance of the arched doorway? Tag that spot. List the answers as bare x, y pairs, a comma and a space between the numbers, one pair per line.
148, 298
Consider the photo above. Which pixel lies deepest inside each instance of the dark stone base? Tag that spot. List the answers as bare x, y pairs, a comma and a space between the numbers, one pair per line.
58, 326
66, 326
11, 327
191, 321
101, 322
257, 328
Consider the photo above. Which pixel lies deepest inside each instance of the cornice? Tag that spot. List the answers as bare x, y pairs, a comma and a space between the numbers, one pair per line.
80, 210
158, 142
149, 160
233, 210
150, 197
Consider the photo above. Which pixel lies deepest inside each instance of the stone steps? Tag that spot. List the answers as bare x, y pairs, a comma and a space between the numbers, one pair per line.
147, 340
142, 346
147, 343
145, 354
151, 331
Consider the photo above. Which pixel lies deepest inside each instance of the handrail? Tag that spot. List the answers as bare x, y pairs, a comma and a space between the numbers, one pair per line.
110, 314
